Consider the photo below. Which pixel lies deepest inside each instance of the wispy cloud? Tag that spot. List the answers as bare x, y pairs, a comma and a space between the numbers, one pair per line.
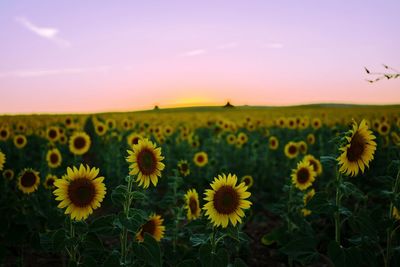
274, 45
50, 72
227, 45
193, 53
44, 32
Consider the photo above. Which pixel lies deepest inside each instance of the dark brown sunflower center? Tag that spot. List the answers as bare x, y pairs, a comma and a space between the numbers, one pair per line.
100, 128
273, 142
28, 179
53, 158
246, 180
20, 140
314, 165
3, 133
52, 133
226, 200
200, 159
184, 167
8, 174
384, 129
135, 140
303, 175
149, 227
193, 205
68, 121
292, 150
147, 161
81, 192
50, 182
357, 147
79, 142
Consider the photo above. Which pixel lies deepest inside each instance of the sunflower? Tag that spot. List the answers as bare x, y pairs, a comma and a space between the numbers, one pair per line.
308, 196
2, 160
358, 152
28, 181
396, 213
168, 130
316, 123
273, 143
231, 139
192, 204
316, 164
54, 158
311, 139
183, 167
133, 139
8, 174
49, 182
242, 138
111, 124
384, 128
20, 141
303, 176
100, 128
79, 143
291, 150
146, 162
80, 191
247, 180
52, 133
4, 133
153, 227
302, 147
226, 201
305, 212
200, 159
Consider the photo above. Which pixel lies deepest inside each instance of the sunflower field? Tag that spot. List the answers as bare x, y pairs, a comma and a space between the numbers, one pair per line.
241, 186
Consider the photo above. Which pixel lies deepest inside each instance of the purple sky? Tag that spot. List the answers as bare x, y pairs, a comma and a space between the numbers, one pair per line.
89, 56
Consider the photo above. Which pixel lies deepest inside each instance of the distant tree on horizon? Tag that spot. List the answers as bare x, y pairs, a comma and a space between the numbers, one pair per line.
383, 75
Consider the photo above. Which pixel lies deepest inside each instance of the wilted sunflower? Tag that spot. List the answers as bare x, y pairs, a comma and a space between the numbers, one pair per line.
145, 162
303, 176
80, 191
79, 143
183, 167
4, 133
192, 204
20, 141
54, 158
8, 174
200, 159
291, 150
273, 143
316, 164
153, 227
49, 182
302, 147
358, 152
226, 201
2, 160
247, 180
28, 181
52, 133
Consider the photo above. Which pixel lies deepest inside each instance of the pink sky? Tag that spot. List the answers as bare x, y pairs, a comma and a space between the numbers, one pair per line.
86, 56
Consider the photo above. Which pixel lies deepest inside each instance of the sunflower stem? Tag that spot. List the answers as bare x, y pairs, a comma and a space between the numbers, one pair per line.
213, 241
389, 232
124, 234
338, 203
72, 236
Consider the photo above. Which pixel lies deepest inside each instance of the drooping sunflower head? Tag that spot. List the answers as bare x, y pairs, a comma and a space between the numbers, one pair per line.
192, 204
20, 141
291, 150
79, 143
28, 181
273, 143
52, 133
154, 227
303, 176
8, 174
200, 159
315, 163
80, 191
49, 182
226, 201
54, 158
247, 180
183, 167
358, 151
2, 160
311, 139
302, 147
145, 159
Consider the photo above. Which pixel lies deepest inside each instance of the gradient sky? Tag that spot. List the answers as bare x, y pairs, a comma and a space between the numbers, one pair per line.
91, 56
